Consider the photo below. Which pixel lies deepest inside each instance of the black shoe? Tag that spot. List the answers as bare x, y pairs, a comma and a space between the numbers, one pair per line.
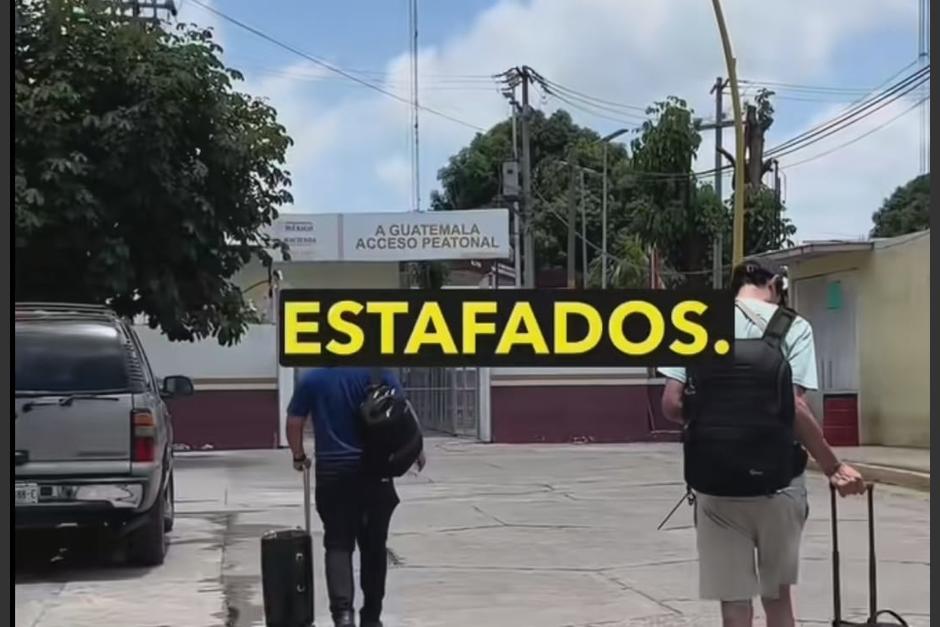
345, 619
371, 623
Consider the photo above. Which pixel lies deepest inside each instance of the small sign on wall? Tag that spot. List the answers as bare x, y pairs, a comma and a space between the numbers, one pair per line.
834, 295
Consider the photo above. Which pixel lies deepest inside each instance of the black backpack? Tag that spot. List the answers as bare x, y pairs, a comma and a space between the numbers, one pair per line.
738, 438
391, 435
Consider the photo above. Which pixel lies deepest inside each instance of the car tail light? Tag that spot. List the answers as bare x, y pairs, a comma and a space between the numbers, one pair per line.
144, 435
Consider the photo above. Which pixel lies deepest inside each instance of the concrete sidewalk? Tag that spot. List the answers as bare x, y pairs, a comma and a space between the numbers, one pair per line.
907, 467
501, 536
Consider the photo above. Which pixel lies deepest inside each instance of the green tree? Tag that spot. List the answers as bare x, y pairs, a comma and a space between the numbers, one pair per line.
907, 210
471, 179
671, 211
142, 179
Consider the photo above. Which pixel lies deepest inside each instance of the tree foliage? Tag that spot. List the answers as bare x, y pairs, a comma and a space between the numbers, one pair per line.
907, 210
671, 211
142, 178
471, 179
654, 197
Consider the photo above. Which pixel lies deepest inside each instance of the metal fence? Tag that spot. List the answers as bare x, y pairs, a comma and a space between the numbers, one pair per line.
446, 399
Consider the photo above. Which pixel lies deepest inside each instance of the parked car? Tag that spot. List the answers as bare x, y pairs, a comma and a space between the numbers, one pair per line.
93, 436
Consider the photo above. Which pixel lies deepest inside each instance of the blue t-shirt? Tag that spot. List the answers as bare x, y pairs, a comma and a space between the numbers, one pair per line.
331, 397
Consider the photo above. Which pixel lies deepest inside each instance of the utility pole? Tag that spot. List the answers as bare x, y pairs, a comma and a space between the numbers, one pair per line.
606, 141
516, 216
145, 11
778, 206
528, 210
572, 218
584, 252
923, 60
718, 244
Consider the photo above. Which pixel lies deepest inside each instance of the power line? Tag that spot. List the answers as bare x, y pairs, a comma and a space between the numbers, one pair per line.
588, 97
840, 123
330, 66
808, 88
319, 78
852, 114
584, 109
860, 137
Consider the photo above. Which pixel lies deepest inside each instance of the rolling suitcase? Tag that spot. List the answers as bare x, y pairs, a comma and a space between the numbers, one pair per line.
874, 614
287, 572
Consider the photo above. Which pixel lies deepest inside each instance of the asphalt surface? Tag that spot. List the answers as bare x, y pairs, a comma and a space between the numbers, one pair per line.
489, 535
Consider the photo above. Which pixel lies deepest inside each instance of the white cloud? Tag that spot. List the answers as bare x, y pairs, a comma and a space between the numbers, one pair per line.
395, 172
834, 196
625, 51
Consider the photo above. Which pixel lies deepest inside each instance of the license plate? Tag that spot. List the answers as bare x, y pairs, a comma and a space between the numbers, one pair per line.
26, 493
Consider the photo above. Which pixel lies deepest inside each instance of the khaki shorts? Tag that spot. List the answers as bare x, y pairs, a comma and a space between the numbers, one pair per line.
750, 546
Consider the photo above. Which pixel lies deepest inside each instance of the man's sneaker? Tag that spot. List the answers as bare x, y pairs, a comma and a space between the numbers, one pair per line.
345, 619
371, 623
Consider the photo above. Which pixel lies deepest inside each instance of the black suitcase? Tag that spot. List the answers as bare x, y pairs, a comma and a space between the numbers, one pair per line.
874, 614
287, 572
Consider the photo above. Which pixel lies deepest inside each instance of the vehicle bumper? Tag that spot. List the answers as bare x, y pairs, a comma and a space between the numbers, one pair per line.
71, 502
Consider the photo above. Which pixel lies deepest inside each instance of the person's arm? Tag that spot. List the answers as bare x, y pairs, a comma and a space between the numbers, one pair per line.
297, 412
295, 438
802, 358
843, 477
672, 400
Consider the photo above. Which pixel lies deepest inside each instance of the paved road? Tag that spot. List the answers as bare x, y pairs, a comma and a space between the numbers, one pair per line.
490, 535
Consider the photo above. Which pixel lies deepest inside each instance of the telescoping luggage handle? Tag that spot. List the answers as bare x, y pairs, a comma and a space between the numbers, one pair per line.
873, 611
301, 564
306, 475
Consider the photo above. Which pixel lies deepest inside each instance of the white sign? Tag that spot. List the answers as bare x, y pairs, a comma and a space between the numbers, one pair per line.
421, 236
413, 236
310, 237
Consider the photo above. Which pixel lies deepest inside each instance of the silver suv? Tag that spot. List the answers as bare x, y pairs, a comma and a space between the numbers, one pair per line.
93, 436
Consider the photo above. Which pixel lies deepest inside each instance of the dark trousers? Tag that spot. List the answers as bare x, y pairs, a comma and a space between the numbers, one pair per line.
355, 510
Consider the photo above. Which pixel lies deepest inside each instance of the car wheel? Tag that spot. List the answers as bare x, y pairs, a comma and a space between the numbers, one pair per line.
169, 505
149, 543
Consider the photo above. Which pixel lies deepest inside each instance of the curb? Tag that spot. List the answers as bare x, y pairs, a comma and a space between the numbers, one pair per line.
902, 477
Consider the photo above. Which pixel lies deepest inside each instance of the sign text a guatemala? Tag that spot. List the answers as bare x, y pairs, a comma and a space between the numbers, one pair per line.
512, 328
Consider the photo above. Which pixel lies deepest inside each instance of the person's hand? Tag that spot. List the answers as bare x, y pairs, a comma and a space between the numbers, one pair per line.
301, 463
421, 462
847, 480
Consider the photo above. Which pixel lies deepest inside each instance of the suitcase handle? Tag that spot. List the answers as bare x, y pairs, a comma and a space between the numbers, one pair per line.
306, 475
836, 570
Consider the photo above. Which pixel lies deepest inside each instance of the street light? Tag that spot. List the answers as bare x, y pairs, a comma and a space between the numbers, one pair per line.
606, 141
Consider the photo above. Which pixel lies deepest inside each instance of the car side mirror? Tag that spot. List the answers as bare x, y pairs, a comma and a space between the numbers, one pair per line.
175, 386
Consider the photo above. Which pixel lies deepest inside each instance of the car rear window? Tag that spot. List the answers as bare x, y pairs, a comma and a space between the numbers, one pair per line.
69, 357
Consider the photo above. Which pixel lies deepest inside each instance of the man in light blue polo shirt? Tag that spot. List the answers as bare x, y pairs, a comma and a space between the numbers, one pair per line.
731, 530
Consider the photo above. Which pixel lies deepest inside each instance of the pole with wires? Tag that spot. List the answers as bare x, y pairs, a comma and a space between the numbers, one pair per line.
718, 244
528, 244
923, 60
516, 218
738, 232
415, 106
584, 251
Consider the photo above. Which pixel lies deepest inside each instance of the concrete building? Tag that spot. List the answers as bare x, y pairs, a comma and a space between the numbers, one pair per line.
869, 304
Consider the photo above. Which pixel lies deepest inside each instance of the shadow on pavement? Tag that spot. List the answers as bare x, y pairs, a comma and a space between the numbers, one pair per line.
70, 555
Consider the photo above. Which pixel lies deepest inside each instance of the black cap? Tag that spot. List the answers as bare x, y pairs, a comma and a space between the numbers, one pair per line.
757, 271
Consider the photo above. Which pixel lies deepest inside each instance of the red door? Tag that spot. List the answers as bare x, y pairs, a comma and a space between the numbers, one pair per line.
840, 419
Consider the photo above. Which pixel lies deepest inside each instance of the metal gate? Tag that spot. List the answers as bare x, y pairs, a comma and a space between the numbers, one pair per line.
446, 400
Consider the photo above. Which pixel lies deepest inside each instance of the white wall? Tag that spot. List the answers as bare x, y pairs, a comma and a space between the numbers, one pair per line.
253, 358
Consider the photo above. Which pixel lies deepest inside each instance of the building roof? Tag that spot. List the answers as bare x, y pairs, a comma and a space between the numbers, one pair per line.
821, 248
814, 249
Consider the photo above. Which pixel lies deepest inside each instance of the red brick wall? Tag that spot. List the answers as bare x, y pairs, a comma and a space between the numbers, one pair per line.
579, 413
226, 419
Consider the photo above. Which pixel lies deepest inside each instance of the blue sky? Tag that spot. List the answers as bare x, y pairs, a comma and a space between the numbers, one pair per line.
351, 148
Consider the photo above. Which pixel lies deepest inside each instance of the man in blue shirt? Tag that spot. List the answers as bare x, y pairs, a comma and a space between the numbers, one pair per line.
354, 508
